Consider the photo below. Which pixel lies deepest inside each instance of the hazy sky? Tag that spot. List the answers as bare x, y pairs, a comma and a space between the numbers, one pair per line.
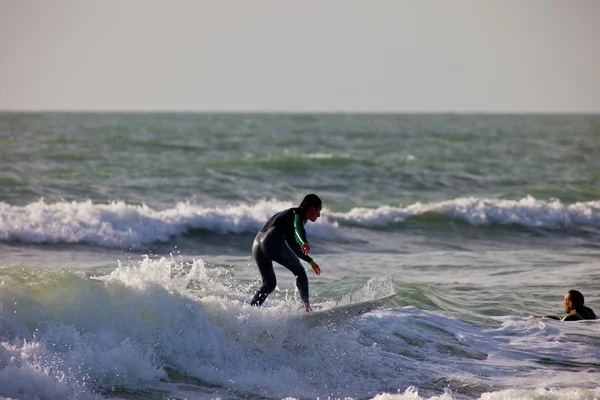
293, 55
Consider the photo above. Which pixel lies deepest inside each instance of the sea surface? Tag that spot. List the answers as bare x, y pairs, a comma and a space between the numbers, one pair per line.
126, 270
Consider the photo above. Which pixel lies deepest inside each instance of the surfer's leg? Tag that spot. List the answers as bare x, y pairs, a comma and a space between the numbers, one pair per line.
265, 266
288, 259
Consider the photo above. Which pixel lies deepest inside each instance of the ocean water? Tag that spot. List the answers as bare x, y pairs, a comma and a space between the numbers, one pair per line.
125, 266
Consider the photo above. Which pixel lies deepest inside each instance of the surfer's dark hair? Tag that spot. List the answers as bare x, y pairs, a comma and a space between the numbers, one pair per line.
310, 200
576, 298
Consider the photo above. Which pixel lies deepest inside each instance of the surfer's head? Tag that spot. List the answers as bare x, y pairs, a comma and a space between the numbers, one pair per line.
312, 205
574, 300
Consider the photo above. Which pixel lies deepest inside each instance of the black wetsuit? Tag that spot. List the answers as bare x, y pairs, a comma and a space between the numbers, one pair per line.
582, 313
280, 240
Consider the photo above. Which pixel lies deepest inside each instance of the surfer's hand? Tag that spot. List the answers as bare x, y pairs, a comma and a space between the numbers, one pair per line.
307, 307
305, 248
316, 268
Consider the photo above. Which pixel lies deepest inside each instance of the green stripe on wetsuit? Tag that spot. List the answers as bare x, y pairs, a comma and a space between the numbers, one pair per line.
300, 234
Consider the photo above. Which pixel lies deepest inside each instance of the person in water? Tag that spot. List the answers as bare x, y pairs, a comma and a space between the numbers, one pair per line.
574, 308
283, 240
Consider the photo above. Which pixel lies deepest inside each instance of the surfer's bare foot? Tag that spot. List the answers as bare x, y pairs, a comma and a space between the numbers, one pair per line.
307, 307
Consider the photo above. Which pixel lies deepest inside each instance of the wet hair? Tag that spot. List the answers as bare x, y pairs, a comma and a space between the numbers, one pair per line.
576, 298
310, 200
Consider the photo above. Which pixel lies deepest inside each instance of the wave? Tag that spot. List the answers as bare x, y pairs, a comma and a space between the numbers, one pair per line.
118, 224
509, 394
526, 212
69, 335
122, 225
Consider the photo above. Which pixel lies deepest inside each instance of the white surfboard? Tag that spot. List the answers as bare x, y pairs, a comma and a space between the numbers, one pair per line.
338, 314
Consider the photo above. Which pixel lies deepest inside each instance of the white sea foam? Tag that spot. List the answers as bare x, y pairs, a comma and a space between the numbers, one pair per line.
70, 335
118, 224
323, 156
526, 212
511, 394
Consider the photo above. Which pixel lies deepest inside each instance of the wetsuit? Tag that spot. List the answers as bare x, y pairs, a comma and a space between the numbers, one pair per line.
280, 240
583, 313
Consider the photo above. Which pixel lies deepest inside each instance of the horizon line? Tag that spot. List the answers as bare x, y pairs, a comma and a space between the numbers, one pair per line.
293, 112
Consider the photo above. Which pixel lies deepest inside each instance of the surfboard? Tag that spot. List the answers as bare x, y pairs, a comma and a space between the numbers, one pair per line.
339, 314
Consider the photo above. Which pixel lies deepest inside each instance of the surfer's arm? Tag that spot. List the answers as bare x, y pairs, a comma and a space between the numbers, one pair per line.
296, 240
299, 243
297, 249
316, 267
300, 236
300, 233
550, 317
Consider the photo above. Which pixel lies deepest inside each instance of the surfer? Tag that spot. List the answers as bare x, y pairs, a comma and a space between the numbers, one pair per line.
574, 308
283, 239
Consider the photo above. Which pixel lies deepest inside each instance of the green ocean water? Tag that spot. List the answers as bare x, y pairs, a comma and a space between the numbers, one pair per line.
125, 254
353, 160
